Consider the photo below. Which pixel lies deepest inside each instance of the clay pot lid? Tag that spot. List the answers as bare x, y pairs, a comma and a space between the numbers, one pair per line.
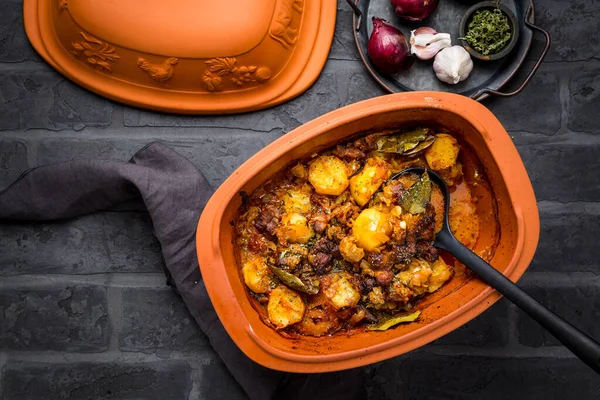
186, 56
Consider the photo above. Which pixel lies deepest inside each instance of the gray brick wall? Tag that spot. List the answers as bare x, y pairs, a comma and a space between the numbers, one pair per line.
84, 310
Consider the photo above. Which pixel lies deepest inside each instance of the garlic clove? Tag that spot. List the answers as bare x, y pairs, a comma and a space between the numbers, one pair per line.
452, 65
426, 42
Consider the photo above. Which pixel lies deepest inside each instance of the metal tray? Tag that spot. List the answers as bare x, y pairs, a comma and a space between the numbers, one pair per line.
486, 78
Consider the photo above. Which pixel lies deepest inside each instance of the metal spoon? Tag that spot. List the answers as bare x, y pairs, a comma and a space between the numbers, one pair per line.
583, 346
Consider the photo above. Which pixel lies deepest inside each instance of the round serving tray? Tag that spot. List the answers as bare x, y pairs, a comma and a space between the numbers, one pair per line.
486, 78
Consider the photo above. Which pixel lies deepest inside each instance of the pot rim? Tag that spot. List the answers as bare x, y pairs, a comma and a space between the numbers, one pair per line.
229, 310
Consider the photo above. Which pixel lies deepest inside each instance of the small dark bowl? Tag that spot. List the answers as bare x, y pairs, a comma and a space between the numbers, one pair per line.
512, 20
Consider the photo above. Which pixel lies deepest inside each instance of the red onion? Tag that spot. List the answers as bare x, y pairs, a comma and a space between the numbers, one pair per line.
414, 10
388, 48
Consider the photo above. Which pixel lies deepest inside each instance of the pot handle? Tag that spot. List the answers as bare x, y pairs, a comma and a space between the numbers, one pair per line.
357, 13
481, 94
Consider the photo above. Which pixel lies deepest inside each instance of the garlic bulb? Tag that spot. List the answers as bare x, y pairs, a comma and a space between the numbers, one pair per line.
425, 42
452, 64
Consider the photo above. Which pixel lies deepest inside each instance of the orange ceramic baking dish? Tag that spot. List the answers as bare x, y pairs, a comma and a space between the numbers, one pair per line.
452, 306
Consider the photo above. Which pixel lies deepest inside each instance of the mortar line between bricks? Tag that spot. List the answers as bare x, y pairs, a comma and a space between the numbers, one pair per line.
202, 357
574, 207
3, 360
199, 134
512, 351
154, 280
559, 279
25, 66
564, 95
115, 316
191, 134
512, 329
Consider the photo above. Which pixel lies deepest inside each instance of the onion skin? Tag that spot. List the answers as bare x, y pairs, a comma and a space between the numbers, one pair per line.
388, 48
414, 10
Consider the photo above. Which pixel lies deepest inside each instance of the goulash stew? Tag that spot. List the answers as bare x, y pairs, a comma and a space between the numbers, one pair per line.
331, 244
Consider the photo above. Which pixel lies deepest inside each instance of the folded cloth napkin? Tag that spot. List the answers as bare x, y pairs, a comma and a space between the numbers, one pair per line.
174, 191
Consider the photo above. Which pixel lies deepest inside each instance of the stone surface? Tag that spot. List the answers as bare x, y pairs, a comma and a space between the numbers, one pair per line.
165, 380
563, 172
213, 381
13, 161
423, 376
570, 26
72, 319
537, 109
585, 96
46, 100
97, 243
343, 46
157, 320
59, 150
14, 46
218, 156
567, 241
578, 305
257, 121
487, 330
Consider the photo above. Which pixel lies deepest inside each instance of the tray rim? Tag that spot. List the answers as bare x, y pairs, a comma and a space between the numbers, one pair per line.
376, 75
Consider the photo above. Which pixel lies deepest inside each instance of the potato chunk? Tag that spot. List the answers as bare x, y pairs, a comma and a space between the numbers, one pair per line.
341, 292
443, 153
294, 229
285, 307
371, 229
328, 175
257, 275
364, 184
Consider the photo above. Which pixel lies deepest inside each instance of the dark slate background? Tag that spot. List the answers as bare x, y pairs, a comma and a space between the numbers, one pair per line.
84, 311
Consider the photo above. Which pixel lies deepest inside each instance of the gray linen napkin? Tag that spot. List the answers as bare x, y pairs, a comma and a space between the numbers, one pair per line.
174, 191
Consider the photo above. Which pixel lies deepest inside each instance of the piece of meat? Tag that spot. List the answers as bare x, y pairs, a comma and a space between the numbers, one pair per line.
265, 222
384, 277
423, 227
366, 283
257, 244
348, 152
403, 253
426, 251
394, 191
319, 222
320, 262
380, 260
321, 254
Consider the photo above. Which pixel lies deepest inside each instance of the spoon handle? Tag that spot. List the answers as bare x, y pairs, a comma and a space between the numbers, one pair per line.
583, 346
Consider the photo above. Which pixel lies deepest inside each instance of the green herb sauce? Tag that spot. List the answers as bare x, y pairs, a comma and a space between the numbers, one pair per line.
488, 32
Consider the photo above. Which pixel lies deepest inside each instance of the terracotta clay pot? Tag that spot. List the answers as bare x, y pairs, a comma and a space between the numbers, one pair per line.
453, 305
186, 56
